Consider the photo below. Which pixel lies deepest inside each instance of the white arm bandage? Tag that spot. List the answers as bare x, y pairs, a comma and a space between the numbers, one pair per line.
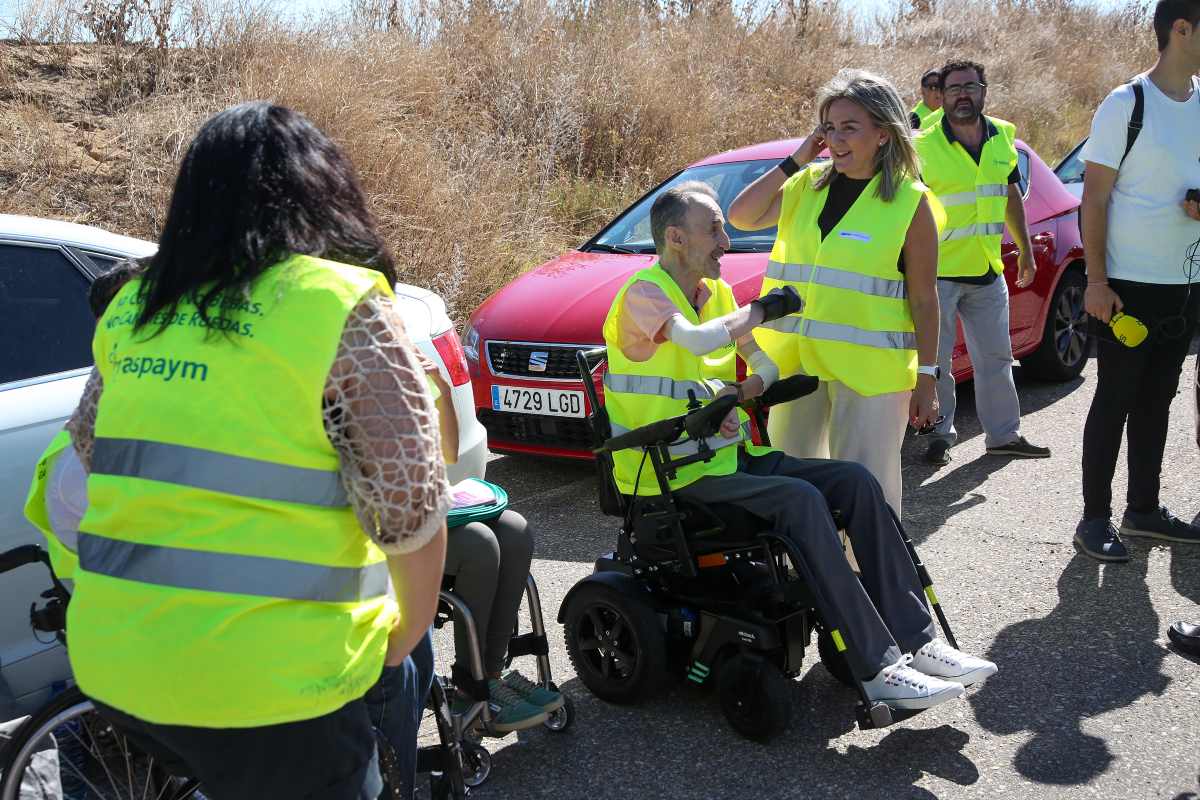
762, 365
699, 339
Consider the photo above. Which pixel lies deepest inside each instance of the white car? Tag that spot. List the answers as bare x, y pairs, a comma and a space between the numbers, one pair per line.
46, 328
1070, 170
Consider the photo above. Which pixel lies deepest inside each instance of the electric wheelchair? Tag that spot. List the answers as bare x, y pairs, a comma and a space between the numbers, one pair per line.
704, 592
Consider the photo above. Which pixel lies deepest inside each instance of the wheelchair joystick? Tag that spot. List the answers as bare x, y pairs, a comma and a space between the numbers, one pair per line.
693, 403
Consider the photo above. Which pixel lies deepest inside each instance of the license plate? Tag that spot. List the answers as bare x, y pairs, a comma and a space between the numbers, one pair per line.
551, 402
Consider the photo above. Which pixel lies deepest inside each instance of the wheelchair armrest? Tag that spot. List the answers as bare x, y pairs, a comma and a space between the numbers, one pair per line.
785, 391
664, 430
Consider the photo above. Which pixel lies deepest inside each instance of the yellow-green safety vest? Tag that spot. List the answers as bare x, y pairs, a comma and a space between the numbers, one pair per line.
975, 197
62, 558
637, 393
856, 326
926, 115
224, 580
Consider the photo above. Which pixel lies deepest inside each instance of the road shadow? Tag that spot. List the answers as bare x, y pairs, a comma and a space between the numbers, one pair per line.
683, 748
1095, 652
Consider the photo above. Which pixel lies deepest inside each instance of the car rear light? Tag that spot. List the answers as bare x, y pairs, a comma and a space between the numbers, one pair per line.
451, 351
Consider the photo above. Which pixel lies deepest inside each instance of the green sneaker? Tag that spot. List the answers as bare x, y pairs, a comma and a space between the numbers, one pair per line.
534, 693
510, 711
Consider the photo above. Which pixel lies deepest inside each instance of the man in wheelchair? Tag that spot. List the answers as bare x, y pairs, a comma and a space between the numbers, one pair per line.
673, 331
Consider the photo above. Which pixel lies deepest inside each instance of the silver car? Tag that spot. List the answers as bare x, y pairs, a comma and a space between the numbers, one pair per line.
46, 329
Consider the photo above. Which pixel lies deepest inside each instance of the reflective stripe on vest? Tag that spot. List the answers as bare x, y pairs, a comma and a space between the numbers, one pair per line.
657, 386
837, 279
968, 198
836, 332
229, 573
217, 472
978, 229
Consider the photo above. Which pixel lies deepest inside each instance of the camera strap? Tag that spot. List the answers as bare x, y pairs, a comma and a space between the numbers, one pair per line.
1135, 119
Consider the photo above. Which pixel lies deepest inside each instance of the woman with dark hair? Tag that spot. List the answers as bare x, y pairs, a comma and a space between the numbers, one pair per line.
262, 454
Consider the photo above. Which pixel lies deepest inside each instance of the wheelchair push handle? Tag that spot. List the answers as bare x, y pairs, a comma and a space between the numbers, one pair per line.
785, 391
20, 556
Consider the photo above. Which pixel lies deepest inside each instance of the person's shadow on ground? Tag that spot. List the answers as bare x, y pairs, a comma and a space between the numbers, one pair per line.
1095, 652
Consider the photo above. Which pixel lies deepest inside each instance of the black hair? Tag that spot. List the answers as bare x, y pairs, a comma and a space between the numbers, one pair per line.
106, 285
259, 183
955, 66
1166, 12
934, 71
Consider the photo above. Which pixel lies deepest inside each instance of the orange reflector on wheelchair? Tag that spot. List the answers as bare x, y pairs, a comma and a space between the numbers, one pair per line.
712, 560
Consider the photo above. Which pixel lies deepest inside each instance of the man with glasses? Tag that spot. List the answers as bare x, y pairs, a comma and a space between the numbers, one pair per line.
970, 162
1139, 234
925, 111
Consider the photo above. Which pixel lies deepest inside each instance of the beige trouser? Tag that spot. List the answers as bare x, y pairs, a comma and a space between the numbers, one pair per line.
838, 422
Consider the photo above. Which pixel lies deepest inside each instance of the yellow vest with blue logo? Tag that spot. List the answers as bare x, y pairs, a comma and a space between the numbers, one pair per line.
637, 393
224, 580
62, 558
856, 326
975, 196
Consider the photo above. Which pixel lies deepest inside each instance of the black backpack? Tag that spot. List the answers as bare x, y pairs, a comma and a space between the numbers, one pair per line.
1135, 119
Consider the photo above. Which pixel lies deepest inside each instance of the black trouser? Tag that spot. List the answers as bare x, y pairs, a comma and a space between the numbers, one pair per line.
1134, 391
332, 757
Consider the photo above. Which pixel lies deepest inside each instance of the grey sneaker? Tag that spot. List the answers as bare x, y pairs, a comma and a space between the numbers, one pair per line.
510, 711
1019, 448
1161, 524
534, 693
1099, 539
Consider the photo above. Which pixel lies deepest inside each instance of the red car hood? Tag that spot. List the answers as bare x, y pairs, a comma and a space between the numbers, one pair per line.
566, 299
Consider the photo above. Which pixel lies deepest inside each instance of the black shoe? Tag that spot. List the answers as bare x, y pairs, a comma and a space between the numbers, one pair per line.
1019, 448
1100, 540
1161, 524
938, 452
1186, 637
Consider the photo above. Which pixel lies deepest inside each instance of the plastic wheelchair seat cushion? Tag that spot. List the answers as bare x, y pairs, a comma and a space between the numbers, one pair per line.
476, 500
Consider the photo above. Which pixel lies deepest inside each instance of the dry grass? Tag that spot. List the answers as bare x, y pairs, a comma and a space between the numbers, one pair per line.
490, 135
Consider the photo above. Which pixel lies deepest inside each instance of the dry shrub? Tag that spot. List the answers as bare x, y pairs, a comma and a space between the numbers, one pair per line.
492, 135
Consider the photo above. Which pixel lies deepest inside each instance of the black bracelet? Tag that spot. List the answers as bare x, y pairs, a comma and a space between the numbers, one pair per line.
789, 166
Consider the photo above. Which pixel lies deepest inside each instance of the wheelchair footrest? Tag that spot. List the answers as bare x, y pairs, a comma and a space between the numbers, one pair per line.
881, 715
528, 644
465, 683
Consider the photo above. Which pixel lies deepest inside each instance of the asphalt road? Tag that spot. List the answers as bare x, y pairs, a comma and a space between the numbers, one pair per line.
1090, 702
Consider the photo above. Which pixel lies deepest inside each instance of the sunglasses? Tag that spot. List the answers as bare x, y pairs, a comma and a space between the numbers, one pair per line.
925, 430
929, 86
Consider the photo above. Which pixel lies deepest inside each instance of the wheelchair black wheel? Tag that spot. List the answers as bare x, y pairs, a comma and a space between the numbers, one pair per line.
755, 697
561, 719
477, 764
89, 757
615, 643
835, 663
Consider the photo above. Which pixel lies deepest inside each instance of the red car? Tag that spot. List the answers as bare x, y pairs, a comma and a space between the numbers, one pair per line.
521, 342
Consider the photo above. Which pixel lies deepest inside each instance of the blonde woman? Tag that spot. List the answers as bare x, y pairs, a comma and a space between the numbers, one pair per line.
858, 240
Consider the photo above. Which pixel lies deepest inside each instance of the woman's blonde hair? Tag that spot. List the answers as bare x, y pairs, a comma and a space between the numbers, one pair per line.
896, 158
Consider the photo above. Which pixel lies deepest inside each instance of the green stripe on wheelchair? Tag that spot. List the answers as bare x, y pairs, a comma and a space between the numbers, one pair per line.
929, 593
838, 641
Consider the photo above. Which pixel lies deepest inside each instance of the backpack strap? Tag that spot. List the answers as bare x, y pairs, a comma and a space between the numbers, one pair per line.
1135, 119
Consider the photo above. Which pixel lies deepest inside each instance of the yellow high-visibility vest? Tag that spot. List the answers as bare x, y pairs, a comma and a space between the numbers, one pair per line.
975, 196
926, 115
855, 326
224, 580
637, 393
62, 557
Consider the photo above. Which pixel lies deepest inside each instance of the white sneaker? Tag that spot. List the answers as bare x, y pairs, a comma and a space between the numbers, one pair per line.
942, 661
901, 686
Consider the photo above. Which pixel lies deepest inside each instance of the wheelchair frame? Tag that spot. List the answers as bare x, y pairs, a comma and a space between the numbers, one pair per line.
784, 636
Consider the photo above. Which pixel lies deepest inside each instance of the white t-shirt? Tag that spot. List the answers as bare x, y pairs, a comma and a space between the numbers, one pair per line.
1148, 233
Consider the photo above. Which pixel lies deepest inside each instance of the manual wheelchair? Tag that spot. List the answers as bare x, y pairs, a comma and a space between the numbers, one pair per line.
704, 592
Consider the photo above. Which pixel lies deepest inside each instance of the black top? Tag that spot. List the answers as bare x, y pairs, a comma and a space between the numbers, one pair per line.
843, 192
989, 130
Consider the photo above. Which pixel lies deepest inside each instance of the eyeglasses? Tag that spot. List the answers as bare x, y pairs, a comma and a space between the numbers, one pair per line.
930, 86
971, 87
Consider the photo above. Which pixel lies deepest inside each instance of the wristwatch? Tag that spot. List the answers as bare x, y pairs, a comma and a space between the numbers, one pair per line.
935, 371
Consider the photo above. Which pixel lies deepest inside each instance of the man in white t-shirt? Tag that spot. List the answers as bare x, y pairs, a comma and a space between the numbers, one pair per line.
1138, 230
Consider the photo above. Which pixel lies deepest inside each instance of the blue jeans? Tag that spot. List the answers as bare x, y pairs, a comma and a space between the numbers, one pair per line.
396, 703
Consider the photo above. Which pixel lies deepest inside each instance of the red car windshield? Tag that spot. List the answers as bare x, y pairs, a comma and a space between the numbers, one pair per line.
630, 232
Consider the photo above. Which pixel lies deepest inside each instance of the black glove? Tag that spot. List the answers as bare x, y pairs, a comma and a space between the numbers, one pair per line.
779, 303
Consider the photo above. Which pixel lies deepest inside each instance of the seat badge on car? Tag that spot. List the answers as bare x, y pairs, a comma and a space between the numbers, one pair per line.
538, 360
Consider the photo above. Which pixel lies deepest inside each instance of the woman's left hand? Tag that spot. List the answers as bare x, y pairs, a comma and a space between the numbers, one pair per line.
923, 407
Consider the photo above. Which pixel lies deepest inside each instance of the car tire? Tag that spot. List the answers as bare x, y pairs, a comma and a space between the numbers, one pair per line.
1066, 340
